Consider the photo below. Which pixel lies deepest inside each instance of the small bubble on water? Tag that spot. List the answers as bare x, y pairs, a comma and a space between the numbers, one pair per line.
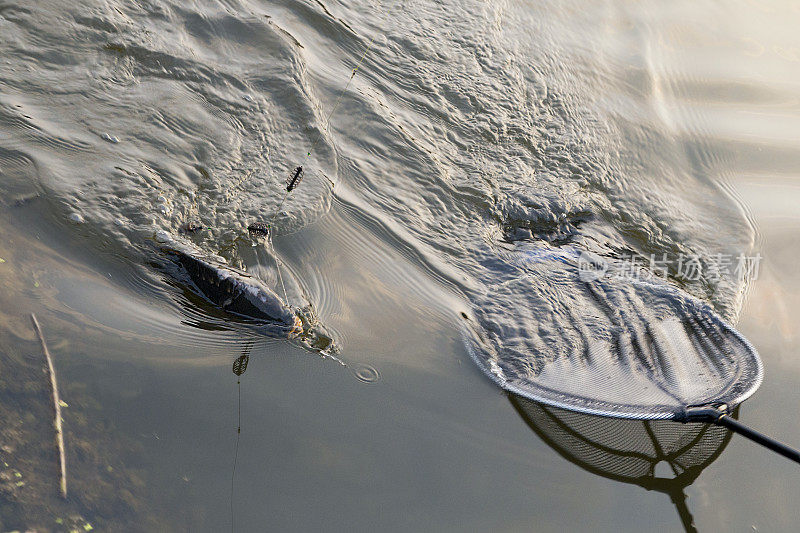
248, 97
77, 218
366, 373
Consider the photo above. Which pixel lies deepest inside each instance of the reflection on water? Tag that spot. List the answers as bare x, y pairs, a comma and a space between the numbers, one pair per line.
662, 456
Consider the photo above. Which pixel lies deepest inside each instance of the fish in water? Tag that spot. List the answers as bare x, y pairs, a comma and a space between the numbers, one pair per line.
234, 291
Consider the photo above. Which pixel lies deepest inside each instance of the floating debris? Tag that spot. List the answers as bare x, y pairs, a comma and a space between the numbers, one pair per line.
109, 138
259, 229
192, 227
163, 236
77, 218
295, 179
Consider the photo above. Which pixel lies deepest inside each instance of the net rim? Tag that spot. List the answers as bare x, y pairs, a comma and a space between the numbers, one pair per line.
627, 412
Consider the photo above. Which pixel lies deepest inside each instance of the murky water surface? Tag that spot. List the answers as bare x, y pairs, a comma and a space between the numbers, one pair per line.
474, 137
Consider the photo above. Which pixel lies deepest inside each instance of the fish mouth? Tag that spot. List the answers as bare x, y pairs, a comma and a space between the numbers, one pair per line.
296, 329
309, 333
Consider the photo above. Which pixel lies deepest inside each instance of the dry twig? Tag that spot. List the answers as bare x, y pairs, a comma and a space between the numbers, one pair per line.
57, 405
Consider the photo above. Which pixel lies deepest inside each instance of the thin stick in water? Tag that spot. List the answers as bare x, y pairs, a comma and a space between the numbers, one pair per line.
57, 406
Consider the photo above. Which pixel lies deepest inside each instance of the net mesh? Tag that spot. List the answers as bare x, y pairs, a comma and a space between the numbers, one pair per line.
660, 455
622, 348
626, 450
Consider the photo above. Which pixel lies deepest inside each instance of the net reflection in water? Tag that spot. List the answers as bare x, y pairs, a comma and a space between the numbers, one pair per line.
662, 455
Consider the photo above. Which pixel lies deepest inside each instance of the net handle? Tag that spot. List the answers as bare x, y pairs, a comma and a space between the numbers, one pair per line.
760, 438
718, 415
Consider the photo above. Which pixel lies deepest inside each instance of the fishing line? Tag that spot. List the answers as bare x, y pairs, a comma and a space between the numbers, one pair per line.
297, 173
278, 264
236, 449
239, 367
293, 181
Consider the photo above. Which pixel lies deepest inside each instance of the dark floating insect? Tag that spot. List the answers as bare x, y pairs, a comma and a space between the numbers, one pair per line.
258, 228
240, 365
294, 179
